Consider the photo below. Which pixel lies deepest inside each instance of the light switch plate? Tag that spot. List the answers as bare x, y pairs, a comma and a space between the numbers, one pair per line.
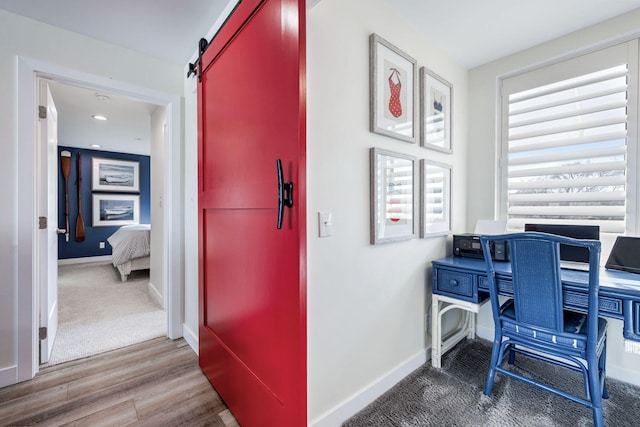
325, 225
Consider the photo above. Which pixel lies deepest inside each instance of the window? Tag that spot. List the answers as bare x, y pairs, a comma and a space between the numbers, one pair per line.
569, 142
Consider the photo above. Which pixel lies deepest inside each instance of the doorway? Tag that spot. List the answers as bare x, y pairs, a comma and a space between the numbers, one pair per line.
97, 310
28, 72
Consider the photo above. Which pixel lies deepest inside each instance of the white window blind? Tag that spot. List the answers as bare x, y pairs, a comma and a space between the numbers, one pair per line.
566, 148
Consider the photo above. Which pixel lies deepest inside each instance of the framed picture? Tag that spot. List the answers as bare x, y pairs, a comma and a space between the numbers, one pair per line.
393, 91
115, 175
392, 196
435, 105
115, 209
435, 206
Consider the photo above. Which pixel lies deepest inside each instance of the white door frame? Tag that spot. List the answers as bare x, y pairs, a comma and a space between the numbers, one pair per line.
27, 248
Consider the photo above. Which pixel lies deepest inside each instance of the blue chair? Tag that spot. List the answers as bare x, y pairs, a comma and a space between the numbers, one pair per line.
534, 322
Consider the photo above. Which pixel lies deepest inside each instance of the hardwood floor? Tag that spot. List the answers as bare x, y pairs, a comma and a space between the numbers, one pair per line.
155, 383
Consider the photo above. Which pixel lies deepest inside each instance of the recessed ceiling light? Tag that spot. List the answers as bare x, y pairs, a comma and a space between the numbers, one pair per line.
102, 97
99, 117
138, 139
96, 145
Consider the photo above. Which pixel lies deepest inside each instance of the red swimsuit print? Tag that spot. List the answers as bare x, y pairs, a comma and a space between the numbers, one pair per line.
395, 107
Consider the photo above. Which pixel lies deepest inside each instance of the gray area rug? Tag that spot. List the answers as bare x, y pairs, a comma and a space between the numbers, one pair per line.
453, 396
98, 312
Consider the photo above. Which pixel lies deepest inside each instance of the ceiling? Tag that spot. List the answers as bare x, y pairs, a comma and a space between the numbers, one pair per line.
166, 29
471, 32
126, 130
474, 32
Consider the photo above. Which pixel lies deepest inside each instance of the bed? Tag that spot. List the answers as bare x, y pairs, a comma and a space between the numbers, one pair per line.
131, 248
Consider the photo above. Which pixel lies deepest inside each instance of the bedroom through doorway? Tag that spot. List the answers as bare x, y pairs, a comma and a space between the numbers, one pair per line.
104, 305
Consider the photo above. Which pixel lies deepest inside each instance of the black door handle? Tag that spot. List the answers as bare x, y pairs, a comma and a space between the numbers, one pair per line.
285, 193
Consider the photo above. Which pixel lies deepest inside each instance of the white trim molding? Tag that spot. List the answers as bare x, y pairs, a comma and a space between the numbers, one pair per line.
105, 259
191, 338
342, 412
155, 295
8, 376
26, 245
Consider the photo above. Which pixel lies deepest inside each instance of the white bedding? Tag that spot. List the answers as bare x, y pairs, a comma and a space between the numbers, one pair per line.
130, 242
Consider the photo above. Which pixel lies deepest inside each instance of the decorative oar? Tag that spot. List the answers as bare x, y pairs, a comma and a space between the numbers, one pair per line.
79, 220
65, 165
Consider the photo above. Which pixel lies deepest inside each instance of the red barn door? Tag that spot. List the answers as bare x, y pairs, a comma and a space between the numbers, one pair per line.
251, 111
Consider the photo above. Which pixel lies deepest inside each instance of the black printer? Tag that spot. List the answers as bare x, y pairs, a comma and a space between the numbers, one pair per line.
468, 245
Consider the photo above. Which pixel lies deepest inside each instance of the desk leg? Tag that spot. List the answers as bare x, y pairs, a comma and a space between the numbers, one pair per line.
471, 317
436, 332
440, 305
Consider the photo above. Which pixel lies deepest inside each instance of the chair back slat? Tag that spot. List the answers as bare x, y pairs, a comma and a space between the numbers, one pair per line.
536, 283
536, 278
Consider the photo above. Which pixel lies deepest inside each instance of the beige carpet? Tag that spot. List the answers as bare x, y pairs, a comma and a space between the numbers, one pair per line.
97, 312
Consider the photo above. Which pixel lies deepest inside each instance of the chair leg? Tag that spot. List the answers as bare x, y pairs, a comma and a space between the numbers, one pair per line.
602, 369
598, 419
596, 390
495, 361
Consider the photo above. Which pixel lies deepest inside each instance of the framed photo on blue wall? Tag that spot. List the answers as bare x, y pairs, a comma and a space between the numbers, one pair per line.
115, 209
115, 175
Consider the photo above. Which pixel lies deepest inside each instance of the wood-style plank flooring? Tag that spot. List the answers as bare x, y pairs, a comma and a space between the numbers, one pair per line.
155, 383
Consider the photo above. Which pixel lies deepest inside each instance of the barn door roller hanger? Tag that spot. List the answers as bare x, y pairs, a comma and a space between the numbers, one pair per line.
203, 44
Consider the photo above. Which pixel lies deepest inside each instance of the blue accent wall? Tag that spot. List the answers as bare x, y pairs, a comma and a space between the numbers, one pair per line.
94, 235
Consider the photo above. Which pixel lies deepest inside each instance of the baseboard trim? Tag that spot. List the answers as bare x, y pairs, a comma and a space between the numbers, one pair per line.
622, 374
86, 260
191, 338
8, 376
156, 295
342, 412
485, 332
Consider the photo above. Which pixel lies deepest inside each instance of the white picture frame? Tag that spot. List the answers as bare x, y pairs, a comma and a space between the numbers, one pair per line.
393, 78
115, 209
392, 196
115, 175
436, 95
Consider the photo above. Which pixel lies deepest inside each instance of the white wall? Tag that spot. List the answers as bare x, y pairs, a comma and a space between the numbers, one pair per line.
158, 159
366, 304
480, 185
190, 327
46, 44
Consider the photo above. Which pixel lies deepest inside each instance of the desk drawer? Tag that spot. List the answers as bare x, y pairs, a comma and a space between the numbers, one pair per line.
607, 305
504, 286
455, 282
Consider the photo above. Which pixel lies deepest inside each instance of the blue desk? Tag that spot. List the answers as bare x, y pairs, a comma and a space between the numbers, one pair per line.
461, 283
